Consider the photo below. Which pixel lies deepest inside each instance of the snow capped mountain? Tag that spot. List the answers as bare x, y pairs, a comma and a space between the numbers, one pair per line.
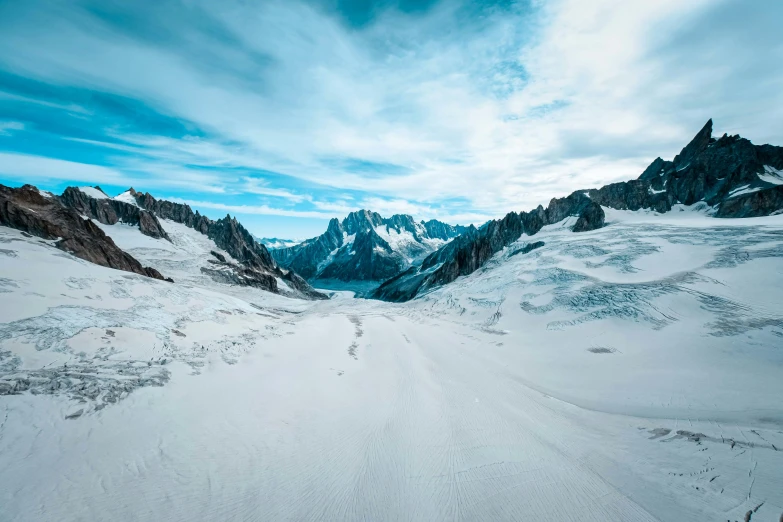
730, 176
227, 252
365, 246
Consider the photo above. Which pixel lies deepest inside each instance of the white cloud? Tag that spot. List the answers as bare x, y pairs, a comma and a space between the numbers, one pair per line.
33, 168
263, 210
506, 110
8, 127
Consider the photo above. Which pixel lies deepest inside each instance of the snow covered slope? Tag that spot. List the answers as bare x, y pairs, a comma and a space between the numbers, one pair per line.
630, 373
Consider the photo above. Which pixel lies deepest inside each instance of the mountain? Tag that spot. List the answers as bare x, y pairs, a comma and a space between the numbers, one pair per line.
730, 175
42, 214
227, 253
272, 243
365, 246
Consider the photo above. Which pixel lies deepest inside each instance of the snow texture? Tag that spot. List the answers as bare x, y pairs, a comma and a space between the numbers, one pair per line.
772, 175
93, 192
630, 373
125, 197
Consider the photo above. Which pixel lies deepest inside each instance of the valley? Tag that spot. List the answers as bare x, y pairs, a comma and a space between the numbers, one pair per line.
628, 373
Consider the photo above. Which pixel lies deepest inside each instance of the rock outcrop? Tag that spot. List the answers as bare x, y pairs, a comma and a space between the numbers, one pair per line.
754, 204
258, 269
111, 211
590, 218
30, 211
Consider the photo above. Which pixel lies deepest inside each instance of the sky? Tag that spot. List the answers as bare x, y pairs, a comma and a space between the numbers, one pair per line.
287, 113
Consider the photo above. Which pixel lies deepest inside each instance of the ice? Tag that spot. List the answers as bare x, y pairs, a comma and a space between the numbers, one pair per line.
630, 373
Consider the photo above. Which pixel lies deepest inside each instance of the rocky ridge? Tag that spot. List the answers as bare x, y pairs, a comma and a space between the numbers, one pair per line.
45, 216
110, 211
258, 268
730, 174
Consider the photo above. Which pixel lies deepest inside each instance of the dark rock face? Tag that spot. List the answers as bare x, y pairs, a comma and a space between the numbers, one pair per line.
729, 173
527, 248
754, 204
110, 211
305, 257
369, 257
591, 218
46, 217
462, 256
258, 267
439, 230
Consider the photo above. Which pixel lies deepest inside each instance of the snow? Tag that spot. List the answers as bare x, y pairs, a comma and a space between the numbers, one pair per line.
93, 192
630, 373
126, 197
772, 175
744, 189
404, 243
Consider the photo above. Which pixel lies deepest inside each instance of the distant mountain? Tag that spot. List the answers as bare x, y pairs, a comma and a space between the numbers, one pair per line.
272, 243
732, 176
365, 246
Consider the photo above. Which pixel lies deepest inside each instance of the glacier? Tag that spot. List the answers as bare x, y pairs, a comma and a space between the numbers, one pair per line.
629, 373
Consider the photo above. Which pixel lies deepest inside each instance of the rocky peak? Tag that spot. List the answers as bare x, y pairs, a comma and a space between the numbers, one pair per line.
111, 211
361, 220
335, 229
49, 218
438, 230
400, 222
698, 144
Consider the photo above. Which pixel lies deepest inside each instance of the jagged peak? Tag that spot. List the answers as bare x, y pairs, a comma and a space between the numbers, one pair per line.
697, 144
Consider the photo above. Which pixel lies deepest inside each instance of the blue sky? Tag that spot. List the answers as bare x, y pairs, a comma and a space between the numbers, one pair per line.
286, 113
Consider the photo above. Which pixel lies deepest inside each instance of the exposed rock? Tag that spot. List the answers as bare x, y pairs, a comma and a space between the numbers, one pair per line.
305, 257
298, 283
110, 211
440, 230
462, 256
258, 269
697, 145
591, 218
761, 203
369, 257
527, 248
730, 173
27, 210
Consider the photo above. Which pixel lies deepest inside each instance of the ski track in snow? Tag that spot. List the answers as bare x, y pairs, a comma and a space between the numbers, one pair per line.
626, 374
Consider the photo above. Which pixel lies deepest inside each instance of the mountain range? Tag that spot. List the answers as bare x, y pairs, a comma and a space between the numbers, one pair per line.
395, 258
366, 247
614, 356
229, 254
730, 176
